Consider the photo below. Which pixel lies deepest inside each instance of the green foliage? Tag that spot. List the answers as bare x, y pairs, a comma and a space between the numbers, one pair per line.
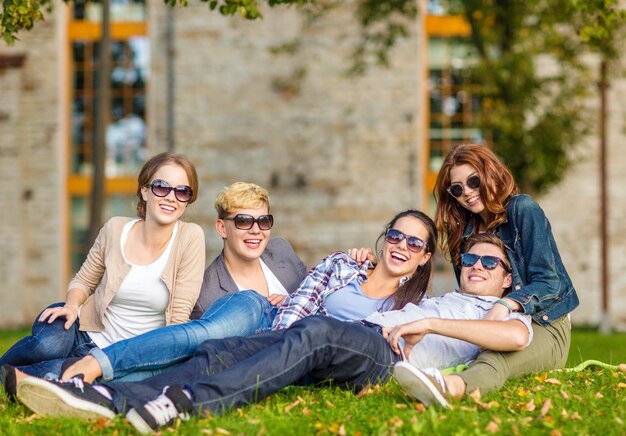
16, 15
535, 114
527, 72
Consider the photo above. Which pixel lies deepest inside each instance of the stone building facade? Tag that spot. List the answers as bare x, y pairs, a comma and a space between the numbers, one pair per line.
340, 155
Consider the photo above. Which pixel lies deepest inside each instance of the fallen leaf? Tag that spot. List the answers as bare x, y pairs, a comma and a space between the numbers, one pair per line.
521, 392
207, 431
318, 425
329, 404
306, 411
395, 421
365, 391
599, 395
621, 385
622, 367
564, 414
541, 378
492, 405
220, 430
420, 407
552, 381
565, 395
575, 417
475, 394
299, 401
556, 432
342, 430
530, 406
619, 420
32, 417
545, 408
100, 424
401, 406
492, 427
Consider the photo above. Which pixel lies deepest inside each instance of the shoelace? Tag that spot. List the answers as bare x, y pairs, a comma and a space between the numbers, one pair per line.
163, 410
77, 382
434, 373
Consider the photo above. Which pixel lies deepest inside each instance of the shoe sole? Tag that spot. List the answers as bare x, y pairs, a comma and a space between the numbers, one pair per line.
47, 399
417, 385
138, 422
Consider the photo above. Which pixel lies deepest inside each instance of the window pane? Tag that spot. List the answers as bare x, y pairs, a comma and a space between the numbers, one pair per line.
126, 133
121, 10
454, 112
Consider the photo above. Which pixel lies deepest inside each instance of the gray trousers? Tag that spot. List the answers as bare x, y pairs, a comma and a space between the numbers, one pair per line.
548, 350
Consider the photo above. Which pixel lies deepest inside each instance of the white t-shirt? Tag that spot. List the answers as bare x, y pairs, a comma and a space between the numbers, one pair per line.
141, 300
436, 351
273, 284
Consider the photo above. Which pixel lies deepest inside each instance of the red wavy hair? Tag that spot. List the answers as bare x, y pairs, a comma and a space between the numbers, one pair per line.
496, 187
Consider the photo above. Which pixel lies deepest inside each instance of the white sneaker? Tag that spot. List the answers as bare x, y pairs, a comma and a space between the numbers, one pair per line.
426, 386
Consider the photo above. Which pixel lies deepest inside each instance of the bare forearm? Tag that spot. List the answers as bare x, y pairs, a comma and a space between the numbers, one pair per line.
509, 335
75, 298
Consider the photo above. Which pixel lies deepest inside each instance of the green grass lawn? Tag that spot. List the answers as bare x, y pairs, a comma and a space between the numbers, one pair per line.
592, 401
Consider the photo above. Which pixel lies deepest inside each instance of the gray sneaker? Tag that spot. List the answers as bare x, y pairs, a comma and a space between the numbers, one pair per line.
426, 386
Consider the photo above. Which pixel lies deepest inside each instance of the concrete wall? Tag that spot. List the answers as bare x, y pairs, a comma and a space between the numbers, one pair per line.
29, 177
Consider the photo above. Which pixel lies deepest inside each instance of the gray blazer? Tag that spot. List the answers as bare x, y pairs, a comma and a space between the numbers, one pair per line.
278, 256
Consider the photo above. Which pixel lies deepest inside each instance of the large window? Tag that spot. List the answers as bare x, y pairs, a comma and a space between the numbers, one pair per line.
126, 129
454, 109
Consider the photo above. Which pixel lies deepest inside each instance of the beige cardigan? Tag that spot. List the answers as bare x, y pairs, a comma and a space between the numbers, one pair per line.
103, 271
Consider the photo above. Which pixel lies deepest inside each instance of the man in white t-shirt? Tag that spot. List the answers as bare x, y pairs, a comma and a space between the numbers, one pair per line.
314, 349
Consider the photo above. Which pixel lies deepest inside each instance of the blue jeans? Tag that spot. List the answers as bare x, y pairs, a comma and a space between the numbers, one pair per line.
231, 372
237, 314
47, 347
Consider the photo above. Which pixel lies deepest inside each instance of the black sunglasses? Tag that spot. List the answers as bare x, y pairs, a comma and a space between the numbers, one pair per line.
413, 243
161, 188
457, 189
489, 262
244, 221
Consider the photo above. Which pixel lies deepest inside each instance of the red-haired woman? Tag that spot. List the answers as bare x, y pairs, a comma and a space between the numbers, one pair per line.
476, 193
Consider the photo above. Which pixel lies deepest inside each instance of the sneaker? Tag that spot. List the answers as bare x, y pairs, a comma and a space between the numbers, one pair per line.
8, 380
426, 386
171, 404
71, 398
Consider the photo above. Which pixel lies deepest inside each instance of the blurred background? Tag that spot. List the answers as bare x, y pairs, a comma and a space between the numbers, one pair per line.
343, 110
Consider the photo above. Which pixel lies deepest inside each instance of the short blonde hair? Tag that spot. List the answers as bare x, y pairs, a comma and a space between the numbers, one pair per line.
241, 195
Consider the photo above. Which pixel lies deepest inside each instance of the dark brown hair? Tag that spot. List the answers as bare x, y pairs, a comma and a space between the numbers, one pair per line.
152, 166
496, 187
413, 290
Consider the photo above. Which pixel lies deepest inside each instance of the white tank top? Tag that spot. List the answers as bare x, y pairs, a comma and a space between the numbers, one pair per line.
140, 303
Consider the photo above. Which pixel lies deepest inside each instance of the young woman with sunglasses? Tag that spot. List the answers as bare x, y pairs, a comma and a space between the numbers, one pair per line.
475, 193
337, 287
140, 274
347, 289
241, 290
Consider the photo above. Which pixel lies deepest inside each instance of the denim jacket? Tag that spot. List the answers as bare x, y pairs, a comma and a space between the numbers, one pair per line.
540, 282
